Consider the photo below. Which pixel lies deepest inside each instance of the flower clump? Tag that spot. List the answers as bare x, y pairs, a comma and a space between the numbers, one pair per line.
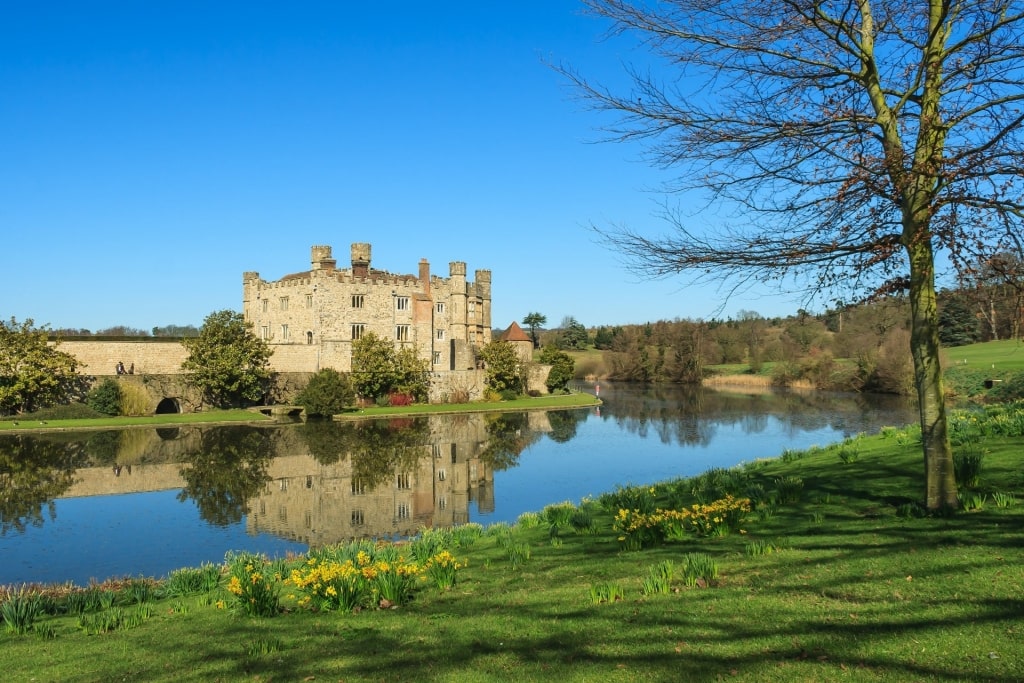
254, 585
639, 530
363, 581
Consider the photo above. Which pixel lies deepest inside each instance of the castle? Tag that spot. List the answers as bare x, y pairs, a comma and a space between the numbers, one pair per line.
311, 318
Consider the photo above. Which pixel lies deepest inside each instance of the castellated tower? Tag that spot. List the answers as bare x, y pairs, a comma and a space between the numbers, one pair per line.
483, 291
321, 258
360, 259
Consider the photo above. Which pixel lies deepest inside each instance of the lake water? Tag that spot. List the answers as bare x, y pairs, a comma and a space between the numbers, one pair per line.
143, 502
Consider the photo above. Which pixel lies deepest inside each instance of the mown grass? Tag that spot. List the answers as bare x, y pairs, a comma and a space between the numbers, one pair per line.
1005, 354
574, 400
210, 416
213, 416
846, 581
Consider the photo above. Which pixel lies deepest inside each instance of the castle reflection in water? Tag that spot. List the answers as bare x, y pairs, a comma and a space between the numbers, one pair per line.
315, 483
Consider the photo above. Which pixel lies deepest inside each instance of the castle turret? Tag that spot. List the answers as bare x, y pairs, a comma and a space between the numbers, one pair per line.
483, 288
457, 272
360, 259
321, 258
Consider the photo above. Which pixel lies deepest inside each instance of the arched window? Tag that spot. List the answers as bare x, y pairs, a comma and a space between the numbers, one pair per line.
309, 337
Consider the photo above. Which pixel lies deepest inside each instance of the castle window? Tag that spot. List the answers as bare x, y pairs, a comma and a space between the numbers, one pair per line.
358, 487
442, 503
357, 330
284, 303
472, 309
284, 332
403, 511
403, 481
357, 301
402, 303
309, 301
402, 333
437, 357
440, 335
309, 519
440, 307
309, 337
440, 475
358, 519
265, 332
266, 305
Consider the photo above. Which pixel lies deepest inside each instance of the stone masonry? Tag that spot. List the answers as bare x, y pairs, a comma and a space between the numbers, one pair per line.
311, 318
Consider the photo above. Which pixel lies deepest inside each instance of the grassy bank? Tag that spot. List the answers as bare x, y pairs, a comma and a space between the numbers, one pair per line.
241, 416
834, 574
29, 422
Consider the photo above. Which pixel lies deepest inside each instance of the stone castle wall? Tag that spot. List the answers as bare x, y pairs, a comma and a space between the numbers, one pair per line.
100, 358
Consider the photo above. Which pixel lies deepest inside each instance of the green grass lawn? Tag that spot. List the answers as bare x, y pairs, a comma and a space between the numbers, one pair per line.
234, 416
211, 416
839, 578
1003, 355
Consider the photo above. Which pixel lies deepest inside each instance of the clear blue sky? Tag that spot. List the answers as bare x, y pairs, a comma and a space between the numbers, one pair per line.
153, 151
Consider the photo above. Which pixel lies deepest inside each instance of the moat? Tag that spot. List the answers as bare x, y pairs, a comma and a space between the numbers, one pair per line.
142, 502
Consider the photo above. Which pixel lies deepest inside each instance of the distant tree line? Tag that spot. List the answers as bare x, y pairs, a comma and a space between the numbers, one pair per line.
176, 331
855, 347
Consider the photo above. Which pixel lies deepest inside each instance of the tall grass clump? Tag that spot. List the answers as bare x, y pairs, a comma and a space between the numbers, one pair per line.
192, 580
699, 570
718, 483
659, 578
639, 498
19, 610
135, 401
788, 489
466, 535
967, 466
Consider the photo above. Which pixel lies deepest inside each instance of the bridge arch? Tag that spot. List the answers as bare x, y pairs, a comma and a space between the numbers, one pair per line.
168, 405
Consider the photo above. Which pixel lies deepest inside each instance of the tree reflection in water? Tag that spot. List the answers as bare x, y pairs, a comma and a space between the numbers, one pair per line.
228, 470
33, 471
378, 448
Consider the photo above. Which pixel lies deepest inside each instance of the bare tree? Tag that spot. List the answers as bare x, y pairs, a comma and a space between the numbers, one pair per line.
857, 140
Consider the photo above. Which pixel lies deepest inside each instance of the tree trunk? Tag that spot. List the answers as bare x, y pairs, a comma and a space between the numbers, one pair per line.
940, 481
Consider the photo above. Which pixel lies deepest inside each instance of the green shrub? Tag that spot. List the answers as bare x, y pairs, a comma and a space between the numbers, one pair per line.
1010, 389
328, 393
69, 411
105, 397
